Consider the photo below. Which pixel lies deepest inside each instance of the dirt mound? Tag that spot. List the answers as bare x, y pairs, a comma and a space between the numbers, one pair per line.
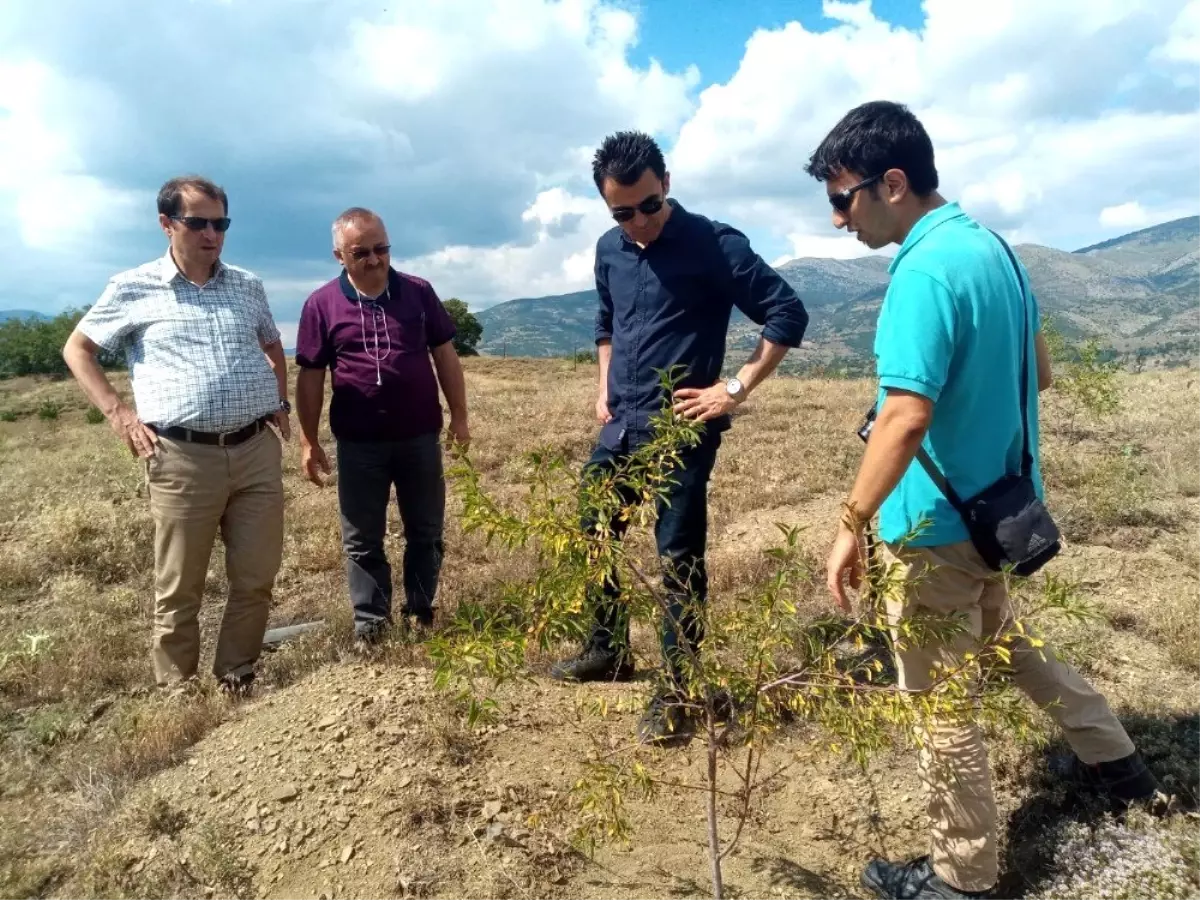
356, 783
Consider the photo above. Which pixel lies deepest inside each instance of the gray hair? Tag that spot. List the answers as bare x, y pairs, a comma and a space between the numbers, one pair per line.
354, 215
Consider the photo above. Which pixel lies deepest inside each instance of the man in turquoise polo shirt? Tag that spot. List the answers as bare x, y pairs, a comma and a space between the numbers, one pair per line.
957, 321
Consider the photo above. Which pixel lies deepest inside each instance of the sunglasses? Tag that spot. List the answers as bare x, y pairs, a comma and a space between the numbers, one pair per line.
647, 207
361, 253
841, 200
199, 223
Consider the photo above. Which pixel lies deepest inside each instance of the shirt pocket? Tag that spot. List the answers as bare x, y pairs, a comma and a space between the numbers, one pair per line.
411, 332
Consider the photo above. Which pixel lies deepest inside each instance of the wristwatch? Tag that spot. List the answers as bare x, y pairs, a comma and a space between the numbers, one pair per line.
285, 406
736, 389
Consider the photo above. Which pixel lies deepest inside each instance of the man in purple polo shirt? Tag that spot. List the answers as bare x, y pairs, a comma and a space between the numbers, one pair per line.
377, 331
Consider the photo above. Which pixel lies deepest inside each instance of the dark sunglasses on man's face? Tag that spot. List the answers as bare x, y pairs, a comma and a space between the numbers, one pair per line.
841, 199
199, 223
361, 253
647, 207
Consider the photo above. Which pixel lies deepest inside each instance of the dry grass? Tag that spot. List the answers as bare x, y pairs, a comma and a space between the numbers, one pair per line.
78, 723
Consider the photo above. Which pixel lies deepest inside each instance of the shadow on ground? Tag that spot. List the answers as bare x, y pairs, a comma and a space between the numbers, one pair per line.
1171, 748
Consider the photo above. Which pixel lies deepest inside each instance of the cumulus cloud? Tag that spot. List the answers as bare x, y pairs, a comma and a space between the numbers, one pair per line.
1041, 113
469, 125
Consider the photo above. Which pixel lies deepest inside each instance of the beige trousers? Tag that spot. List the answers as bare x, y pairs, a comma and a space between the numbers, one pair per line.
196, 489
954, 761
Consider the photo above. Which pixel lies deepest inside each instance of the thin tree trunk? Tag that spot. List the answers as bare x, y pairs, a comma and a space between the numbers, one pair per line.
714, 843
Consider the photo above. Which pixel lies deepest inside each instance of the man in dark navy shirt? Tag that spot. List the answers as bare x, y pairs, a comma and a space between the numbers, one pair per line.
668, 280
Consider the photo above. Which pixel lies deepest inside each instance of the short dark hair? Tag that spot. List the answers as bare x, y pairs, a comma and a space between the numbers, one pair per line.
170, 195
624, 156
875, 137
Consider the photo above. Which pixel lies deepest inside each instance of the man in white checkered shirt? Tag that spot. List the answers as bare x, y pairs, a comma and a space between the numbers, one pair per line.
209, 377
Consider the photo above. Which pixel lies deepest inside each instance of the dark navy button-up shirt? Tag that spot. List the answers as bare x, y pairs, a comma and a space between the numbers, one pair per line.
669, 305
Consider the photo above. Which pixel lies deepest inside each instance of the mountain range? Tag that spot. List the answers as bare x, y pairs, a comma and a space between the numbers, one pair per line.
1138, 293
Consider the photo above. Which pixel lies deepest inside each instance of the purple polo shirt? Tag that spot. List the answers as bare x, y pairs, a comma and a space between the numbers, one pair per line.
384, 385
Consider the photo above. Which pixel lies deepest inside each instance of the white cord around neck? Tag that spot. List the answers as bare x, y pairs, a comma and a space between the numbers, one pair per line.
376, 308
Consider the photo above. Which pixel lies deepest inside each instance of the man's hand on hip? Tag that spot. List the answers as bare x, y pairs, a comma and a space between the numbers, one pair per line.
141, 441
703, 404
313, 462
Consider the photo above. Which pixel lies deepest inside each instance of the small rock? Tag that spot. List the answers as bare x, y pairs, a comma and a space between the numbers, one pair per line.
347, 853
491, 809
327, 722
284, 792
349, 771
405, 781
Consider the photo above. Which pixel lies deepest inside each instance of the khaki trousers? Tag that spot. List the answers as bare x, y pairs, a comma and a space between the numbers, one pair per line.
954, 762
194, 490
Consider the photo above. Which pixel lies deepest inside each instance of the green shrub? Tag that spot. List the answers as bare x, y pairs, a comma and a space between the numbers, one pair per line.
94, 416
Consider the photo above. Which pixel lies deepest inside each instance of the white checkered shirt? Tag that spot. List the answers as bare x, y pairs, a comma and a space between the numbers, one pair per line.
194, 353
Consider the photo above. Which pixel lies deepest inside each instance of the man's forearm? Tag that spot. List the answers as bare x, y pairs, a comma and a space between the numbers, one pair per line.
604, 357
454, 384
277, 358
90, 376
310, 396
895, 439
762, 362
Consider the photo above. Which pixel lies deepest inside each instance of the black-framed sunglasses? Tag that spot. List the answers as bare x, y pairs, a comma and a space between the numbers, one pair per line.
199, 223
841, 200
361, 253
647, 207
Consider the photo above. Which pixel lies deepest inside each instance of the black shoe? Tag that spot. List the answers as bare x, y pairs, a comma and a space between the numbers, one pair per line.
666, 721
913, 880
368, 634
237, 686
594, 664
1126, 780
423, 617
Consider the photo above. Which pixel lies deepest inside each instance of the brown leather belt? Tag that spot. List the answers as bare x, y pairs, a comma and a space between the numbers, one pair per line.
220, 439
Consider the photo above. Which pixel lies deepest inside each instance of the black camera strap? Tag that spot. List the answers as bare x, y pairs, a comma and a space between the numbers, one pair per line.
931, 469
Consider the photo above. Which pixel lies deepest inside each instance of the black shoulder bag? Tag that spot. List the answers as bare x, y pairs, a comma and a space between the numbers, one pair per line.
1007, 522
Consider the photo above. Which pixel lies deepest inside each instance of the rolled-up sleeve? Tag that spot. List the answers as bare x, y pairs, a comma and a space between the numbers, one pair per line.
604, 311
762, 293
108, 323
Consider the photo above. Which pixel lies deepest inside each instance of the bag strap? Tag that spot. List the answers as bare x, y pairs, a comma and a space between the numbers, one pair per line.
931, 469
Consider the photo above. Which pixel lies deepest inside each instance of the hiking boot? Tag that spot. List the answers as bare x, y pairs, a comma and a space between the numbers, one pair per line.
594, 664
1126, 779
913, 880
665, 721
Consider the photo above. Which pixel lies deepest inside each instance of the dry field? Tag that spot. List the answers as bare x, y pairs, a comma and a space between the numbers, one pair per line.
349, 778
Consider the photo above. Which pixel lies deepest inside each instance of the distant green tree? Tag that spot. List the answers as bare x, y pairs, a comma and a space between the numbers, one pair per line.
34, 346
468, 327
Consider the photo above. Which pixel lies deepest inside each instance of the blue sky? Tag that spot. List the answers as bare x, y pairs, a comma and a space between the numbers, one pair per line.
469, 125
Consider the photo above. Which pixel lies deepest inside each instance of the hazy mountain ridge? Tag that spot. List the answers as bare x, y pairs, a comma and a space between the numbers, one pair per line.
1139, 292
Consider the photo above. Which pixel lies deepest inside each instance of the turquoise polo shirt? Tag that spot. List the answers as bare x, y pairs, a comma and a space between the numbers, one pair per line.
950, 330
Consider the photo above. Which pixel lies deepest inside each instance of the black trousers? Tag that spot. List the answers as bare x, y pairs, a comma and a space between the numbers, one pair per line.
367, 473
681, 535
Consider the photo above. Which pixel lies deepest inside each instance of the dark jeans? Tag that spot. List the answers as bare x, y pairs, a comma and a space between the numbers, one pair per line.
681, 533
366, 475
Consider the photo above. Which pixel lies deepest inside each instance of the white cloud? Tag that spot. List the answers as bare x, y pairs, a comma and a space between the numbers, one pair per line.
1028, 106
1127, 215
471, 123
